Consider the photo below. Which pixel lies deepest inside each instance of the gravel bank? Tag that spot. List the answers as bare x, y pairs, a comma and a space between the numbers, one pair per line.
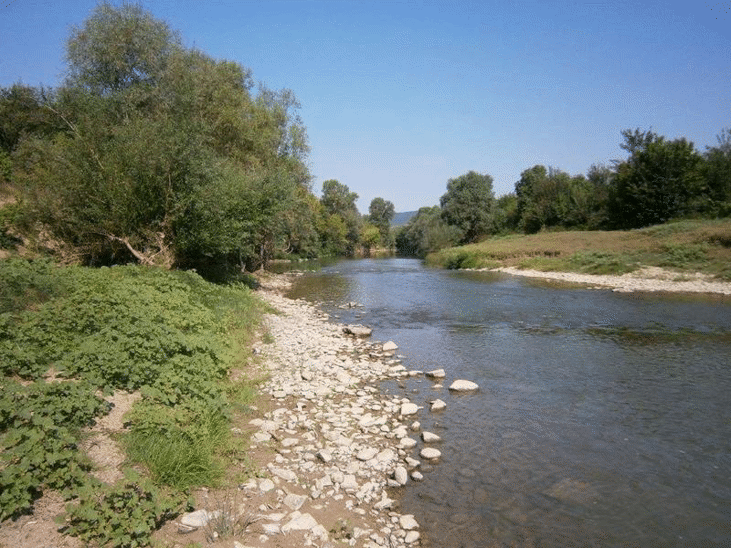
333, 450
645, 279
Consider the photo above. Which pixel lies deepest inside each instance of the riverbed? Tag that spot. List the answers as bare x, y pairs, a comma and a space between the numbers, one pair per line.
602, 419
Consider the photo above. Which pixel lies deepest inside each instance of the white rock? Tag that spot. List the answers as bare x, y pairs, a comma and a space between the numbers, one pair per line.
300, 522
409, 409
438, 405
266, 485
400, 475
367, 454
411, 537
407, 522
463, 386
286, 475
390, 346
294, 502
324, 455
407, 443
199, 518
417, 476
430, 453
436, 374
428, 437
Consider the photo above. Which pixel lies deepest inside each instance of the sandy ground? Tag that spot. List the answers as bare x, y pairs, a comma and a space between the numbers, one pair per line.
645, 279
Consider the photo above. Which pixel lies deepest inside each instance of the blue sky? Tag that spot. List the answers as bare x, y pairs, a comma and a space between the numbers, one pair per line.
400, 96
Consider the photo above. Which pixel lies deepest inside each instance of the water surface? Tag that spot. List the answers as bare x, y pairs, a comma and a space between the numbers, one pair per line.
602, 419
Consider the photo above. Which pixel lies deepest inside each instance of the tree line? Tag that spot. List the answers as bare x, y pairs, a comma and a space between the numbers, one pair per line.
156, 153
659, 180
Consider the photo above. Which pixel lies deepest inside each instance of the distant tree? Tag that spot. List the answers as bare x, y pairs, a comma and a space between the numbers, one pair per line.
337, 199
380, 214
717, 175
660, 180
468, 205
370, 237
505, 213
425, 233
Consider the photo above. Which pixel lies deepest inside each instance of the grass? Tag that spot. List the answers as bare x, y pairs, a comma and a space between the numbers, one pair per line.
684, 246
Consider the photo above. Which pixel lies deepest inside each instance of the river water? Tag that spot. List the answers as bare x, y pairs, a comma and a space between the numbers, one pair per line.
602, 419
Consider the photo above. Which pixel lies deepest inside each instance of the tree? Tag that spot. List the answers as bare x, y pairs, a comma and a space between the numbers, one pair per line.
468, 204
425, 233
659, 181
166, 156
119, 48
380, 214
337, 199
717, 175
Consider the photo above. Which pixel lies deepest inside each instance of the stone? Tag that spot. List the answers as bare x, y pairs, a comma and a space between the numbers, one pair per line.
286, 475
294, 502
409, 409
266, 485
324, 455
411, 537
428, 437
436, 374
359, 331
299, 522
463, 386
367, 454
407, 522
199, 518
438, 405
417, 476
390, 346
430, 453
407, 443
400, 475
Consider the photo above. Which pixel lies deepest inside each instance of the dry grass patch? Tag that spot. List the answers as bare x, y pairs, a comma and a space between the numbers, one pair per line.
691, 245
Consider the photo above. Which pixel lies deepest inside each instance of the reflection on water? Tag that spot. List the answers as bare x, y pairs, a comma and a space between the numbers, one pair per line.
602, 419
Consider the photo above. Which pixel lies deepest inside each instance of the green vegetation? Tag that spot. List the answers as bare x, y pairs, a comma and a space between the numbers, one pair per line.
154, 153
661, 180
67, 333
690, 245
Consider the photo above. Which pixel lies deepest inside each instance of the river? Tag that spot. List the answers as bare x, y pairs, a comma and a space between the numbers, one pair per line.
602, 419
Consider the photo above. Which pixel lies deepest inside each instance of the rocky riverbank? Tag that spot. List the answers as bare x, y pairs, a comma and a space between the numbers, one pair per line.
333, 450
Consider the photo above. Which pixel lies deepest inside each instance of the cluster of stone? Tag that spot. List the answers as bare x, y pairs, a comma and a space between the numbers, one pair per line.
338, 443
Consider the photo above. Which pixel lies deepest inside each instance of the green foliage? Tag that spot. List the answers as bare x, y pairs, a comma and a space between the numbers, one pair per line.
380, 214
426, 232
168, 333
659, 181
163, 155
341, 229
684, 255
123, 516
38, 446
468, 205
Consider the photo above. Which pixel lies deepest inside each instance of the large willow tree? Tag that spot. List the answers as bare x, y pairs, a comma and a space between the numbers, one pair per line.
165, 155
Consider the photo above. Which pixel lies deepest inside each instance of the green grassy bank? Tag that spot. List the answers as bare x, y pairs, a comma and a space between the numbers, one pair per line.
68, 336
685, 246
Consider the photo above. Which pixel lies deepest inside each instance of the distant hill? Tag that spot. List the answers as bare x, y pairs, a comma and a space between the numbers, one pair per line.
400, 219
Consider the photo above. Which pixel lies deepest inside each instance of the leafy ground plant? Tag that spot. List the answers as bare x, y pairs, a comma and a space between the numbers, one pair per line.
171, 335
